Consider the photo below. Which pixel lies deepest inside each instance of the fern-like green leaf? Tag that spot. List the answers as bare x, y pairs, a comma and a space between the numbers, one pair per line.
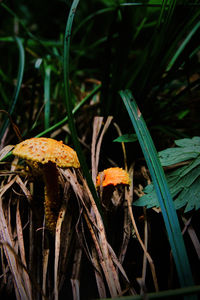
184, 182
187, 149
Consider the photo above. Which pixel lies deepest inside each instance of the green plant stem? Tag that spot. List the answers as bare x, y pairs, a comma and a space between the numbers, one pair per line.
69, 105
43, 44
163, 294
18, 84
182, 46
31, 42
47, 92
63, 121
78, 106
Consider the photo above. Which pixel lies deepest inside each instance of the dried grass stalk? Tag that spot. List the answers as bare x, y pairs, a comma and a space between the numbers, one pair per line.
15, 268
193, 236
75, 282
97, 123
98, 274
144, 265
106, 258
20, 239
75, 289
24, 189
96, 143
97, 232
66, 238
7, 186
45, 256
5, 151
150, 260
57, 248
126, 235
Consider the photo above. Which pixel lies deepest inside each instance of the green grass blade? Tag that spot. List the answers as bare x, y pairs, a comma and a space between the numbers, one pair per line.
63, 121
47, 102
69, 105
182, 46
90, 17
19, 82
42, 43
172, 5
163, 294
162, 190
78, 106
162, 12
4, 97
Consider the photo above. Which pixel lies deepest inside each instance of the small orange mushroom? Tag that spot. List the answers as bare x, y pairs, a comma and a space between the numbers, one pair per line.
48, 153
113, 176
112, 181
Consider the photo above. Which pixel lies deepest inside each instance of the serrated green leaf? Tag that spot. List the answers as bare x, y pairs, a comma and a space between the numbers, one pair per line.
191, 166
187, 149
186, 142
194, 202
126, 138
184, 183
189, 196
148, 200
176, 155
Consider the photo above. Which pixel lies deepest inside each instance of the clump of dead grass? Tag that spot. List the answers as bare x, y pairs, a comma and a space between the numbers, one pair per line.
42, 265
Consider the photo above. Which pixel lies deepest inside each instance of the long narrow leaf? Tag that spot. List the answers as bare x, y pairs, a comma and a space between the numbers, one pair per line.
162, 190
182, 46
78, 106
69, 105
19, 82
29, 33
169, 294
47, 84
60, 123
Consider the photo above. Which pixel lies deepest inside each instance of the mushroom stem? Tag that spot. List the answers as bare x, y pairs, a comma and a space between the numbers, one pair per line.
52, 201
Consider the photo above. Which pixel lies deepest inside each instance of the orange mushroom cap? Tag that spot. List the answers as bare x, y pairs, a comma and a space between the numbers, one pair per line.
113, 176
43, 150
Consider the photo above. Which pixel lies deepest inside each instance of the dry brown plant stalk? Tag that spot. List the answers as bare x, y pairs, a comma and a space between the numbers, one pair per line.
75, 282
57, 249
150, 260
97, 139
98, 274
22, 283
13, 239
106, 257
